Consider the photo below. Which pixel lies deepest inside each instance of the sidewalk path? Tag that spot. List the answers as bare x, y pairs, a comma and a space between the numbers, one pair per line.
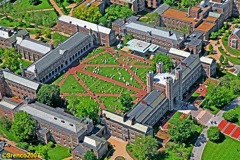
54, 4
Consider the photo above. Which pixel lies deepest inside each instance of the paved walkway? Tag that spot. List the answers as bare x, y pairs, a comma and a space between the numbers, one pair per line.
54, 4
120, 148
122, 64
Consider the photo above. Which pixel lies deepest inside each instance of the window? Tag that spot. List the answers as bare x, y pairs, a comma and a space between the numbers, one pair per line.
62, 121
71, 124
55, 118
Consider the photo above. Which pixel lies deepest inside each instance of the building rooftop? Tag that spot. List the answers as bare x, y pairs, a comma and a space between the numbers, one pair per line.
162, 8
84, 24
179, 52
191, 62
34, 45
20, 80
56, 53
55, 116
4, 32
194, 8
154, 31
236, 31
206, 60
144, 108
177, 14
141, 46
214, 14
205, 26
93, 142
8, 103
211, 19
119, 119
161, 78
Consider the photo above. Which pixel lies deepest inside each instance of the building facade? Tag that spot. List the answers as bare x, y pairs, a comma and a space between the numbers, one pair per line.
234, 39
101, 35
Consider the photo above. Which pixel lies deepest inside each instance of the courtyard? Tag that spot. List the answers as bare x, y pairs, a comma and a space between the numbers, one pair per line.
103, 76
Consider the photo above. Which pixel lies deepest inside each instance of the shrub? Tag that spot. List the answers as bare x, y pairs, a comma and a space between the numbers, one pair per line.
50, 144
23, 145
231, 116
214, 134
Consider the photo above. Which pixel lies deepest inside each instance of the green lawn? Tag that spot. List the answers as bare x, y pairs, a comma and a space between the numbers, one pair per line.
58, 153
175, 118
229, 149
43, 5
58, 38
106, 58
234, 60
7, 134
141, 63
112, 104
118, 74
194, 97
79, 101
229, 49
71, 85
237, 111
99, 86
57, 81
8, 22
25, 63
94, 52
141, 73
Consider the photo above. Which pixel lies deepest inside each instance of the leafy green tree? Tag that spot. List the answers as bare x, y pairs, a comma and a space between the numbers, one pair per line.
210, 48
151, 18
225, 62
11, 59
182, 130
165, 59
81, 110
34, 2
91, 14
126, 101
23, 126
127, 38
5, 123
145, 148
231, 116
178, 150
43, 150
49, 94
214, 134
221, 59
90, 156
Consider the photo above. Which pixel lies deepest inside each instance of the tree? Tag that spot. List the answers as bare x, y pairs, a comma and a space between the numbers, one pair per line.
231, 116
221, 59
43, 150
225, 62
83, 110
11, 59
165, 59
210, 48
126, 101
182, 130
5, 123
151, 18
49, 94
34, 2
90, 156
180, 151
23, 126
145, 148
91, 14
214, 134
127, 38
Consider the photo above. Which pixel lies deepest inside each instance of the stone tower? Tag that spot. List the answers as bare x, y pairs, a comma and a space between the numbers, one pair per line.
2, 84
159, 67
178, 74
169, 90
149, 81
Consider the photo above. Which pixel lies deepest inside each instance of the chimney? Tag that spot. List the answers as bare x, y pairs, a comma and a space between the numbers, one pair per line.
78, 28
124, 20
22, 70
125, 117
170, 33
184, 36
144, 103
51, 46
104, 115
70, 22
133, 119
189, 10
184, 64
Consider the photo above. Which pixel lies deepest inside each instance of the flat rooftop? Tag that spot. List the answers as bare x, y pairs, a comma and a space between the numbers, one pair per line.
161, 78
211, 19
141, 46
8, 105
177, 14
205, 26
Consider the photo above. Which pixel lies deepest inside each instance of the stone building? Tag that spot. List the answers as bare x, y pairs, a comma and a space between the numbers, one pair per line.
236, 8
8, 36
101, 35
15, 85
58, 59
166, 39
234, 39
31, 49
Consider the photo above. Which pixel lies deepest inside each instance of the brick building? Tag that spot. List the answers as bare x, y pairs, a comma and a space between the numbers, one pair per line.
234, 39
58, 59
166, 39
101, 35
236, 8
8, 36
31, 49
15, 85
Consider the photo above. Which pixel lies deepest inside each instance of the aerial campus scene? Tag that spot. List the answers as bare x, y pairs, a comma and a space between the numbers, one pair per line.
120, 79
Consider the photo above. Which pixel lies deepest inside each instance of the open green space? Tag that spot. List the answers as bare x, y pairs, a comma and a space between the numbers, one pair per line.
229, 49
7, 134
99, 86
103, 59
9, 22
112, 104
94, 52
57, 81
79, 101
58, 38
140, 63
175, 118
58, 153
25, 63
228, 149
234, 60
141, 73
43, 5
118, 74
71, 85
194, 96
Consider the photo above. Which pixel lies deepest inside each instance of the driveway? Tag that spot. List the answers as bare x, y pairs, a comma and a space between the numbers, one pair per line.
119, 147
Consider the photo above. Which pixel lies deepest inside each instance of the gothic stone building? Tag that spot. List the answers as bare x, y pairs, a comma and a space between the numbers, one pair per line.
234, 39
101, 35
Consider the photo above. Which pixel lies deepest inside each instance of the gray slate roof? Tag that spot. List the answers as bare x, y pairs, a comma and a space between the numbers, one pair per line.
142, 111
162, 8
236, 31
54, 55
